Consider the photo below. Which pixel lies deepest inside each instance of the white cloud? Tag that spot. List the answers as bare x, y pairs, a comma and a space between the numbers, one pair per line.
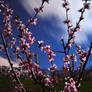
55, 8
4, 62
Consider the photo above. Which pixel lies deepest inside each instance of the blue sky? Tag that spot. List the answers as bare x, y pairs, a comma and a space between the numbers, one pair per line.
50, 27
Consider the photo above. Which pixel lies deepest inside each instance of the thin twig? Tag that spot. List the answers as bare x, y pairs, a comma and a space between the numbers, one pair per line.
9, 61
84, 65
58, 51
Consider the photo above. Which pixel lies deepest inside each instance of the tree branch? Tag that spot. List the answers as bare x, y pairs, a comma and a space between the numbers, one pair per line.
84, 65
9, 61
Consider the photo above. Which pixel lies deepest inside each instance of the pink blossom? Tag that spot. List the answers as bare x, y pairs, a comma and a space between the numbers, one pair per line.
50, 59
20, 86
12, 42
78, 28
66, 58
70, 87
47, 47
65, 68
73, 57
40, 43
32, 21
14, 80
52, 68
1, 5
78, 46
18, 74
31, 40
27, 45
47, 81
16, 49
71, 32
22, 41
28, 34
40, 73
50, 52
67, 22
22, 28
17, 22
69, 46
84, 54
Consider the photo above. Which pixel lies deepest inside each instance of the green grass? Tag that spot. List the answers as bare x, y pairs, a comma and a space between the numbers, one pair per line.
6, 85
86, 86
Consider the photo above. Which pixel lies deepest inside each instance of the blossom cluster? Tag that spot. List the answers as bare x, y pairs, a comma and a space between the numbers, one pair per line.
70, 86
46, 49
7, 21
82, 54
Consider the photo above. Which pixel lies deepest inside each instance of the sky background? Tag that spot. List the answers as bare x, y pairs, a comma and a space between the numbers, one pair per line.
50, 27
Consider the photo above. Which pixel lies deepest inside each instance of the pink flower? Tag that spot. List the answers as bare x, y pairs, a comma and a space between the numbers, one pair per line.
22, 41
22, 28
65, 68
69, 46
78, 28
12, 42
16, 49
67, 22
14, 80
70, 87
40, 73
32, 21
78, 46
73, 57
20, 86
28, 34
52, 68
40, 43
50, 59
84, 54
66, 58
17, 22
72, 81
1, 5
18, 74
47, 47
47, 81
50, 52
9, 11
31, 40
71, 32
27, 45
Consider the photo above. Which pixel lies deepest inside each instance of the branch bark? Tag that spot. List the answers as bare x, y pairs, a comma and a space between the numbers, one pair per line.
84, 65
9, 61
